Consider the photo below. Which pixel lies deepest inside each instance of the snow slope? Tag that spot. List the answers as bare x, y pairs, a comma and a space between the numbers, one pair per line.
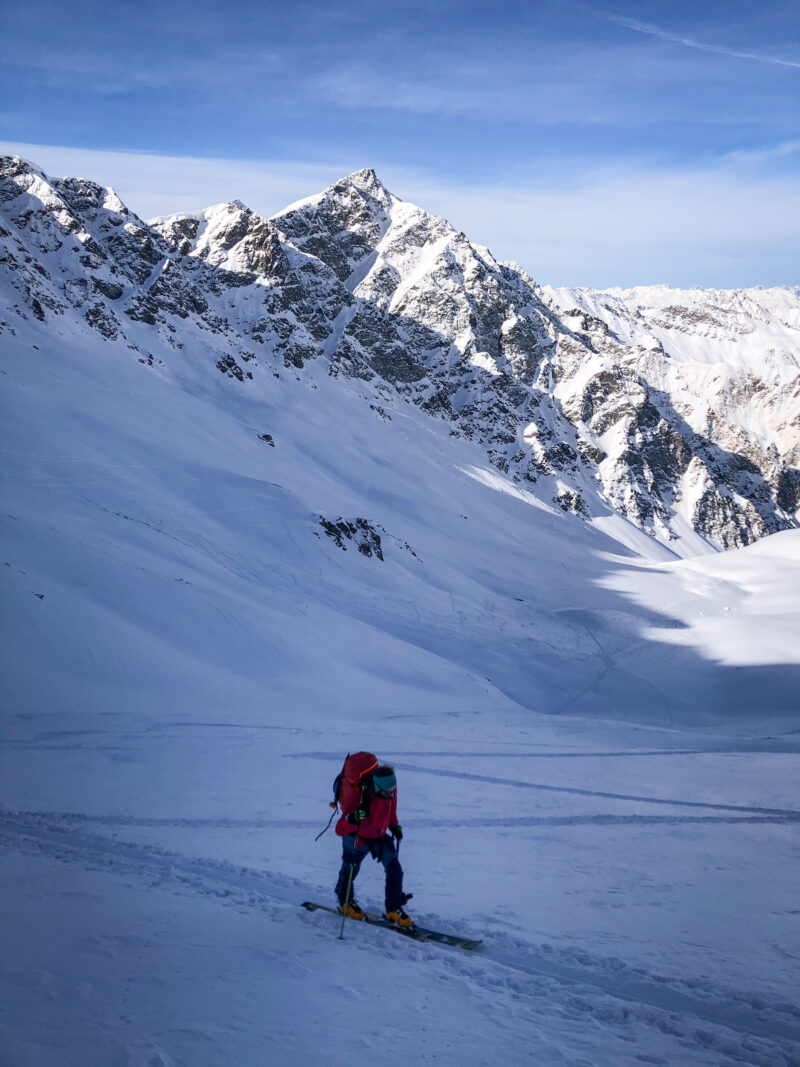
186, 661
119, 469
594, 738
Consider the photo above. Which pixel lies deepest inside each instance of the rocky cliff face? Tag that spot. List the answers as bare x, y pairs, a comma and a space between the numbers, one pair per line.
679, 410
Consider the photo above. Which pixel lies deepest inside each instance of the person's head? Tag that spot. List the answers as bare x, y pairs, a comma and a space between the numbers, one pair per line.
384, 783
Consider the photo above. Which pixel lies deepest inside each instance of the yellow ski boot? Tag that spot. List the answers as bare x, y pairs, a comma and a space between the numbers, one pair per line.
399, 918
354, 911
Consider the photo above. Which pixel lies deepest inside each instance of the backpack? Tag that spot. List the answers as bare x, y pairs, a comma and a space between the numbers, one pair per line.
348, 785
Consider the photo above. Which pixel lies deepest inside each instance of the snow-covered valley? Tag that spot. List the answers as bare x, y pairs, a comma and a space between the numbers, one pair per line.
216, 587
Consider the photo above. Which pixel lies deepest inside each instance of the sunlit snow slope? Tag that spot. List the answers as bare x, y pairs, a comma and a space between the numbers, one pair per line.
157, 546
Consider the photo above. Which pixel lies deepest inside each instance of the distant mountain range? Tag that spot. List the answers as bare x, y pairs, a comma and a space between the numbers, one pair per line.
680, 410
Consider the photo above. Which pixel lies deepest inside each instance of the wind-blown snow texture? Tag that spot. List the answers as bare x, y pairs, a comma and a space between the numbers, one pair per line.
276, 489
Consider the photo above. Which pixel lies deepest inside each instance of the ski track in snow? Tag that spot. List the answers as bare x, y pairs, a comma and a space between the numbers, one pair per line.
737, 1026
782, 814
74, 819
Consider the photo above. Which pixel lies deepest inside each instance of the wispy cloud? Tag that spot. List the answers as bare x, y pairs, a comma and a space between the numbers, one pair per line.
689, 42
765, 154
109, 72
585, 85
721, 226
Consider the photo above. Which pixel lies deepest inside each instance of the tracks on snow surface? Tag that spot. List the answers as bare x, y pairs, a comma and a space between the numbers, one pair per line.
742, 812
739, 1027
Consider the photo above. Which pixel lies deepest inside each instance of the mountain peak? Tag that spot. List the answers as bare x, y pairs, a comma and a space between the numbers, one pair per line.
364, 182
365, 179
343, 224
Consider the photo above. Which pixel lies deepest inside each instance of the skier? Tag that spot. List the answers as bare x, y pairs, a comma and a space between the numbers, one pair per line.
364, 832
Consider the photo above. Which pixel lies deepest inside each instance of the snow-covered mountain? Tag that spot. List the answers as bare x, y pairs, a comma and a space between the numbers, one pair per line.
275, 490
679, 410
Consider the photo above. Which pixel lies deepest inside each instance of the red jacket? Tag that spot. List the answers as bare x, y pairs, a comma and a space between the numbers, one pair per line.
381, 816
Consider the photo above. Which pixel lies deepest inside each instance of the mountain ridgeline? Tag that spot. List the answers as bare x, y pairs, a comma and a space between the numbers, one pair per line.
678, 409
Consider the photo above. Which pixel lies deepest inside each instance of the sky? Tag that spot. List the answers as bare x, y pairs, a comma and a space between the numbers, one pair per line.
615, 143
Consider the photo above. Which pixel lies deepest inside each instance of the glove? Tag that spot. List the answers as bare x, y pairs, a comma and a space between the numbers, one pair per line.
396, 832
359, 815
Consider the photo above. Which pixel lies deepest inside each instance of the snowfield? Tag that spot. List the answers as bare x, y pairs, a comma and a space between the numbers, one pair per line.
596, 741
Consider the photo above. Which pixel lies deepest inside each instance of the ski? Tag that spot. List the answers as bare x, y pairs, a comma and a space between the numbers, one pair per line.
416, 933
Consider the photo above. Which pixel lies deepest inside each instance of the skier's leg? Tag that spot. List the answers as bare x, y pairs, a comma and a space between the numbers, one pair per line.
351, 859
395, 897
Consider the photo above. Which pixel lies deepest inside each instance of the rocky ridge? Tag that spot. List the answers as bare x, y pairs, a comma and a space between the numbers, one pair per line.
679, 410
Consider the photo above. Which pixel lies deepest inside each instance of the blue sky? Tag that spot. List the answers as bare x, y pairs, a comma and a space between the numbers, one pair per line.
608, 144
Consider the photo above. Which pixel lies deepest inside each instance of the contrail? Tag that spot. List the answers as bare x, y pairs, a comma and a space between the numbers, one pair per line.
665, 35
